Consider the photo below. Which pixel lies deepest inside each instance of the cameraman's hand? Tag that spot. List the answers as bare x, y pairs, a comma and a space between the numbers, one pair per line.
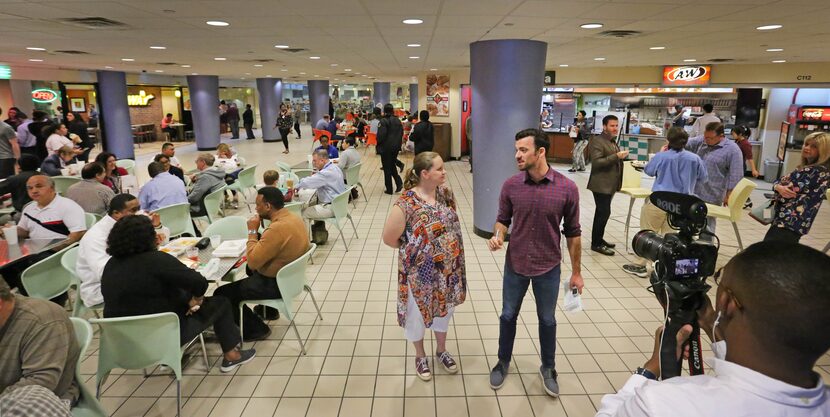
683, 334
577, 282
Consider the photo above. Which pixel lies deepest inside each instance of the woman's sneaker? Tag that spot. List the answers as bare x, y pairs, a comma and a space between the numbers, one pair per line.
422, 369
447, 361
245, 356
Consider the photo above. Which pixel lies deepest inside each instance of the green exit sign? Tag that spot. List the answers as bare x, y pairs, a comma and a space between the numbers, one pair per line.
5, 72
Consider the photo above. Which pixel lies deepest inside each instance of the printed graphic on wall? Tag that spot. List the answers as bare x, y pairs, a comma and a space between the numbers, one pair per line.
438, 95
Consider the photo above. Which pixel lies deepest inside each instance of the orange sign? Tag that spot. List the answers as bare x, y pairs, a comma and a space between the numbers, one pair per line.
687, 75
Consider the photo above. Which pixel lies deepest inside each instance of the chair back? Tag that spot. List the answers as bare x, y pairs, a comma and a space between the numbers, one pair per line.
47, 279
302, 173
87, 405
213, 203
371, 138
70, 259
91, 219
340, 204
229, 228
283, 167
176, 217
353, 174
631, 178
320, 133
739, 195
127, 164
63, 183
247, 177
291, 279
296, 208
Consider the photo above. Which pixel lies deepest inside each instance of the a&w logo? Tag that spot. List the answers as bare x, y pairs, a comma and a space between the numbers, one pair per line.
686, 73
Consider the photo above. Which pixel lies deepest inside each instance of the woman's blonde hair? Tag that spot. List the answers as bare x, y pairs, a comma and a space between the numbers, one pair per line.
821, 140
422, 161
222, 148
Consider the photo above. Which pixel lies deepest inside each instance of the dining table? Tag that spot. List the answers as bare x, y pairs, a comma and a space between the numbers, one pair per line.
10, 254
224, 265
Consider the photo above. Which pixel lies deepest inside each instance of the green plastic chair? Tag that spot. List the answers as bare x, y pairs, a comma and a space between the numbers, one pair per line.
245, 181
340, 207
127, 164
62, 183
140, 342
88, 405
176, 217
213, 205
283, 167
296, 208
353, 178
79, 309
302, 173
229, 228
91, 219
291, 281
47, 279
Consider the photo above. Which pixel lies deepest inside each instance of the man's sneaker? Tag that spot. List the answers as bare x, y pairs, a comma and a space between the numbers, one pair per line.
634, 269
245, 356
422, 369
549, 381
447, 362
498, 374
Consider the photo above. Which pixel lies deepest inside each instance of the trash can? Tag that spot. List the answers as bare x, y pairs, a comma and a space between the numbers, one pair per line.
771, 167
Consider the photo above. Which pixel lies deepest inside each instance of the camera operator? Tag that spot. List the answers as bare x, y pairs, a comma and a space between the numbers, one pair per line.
772, 313
677, 171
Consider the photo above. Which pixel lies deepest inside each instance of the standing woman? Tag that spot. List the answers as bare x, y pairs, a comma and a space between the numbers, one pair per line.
425, 228
78, 126
298, 112
423, 134
580, 142
798, 194
284, 124
741, 134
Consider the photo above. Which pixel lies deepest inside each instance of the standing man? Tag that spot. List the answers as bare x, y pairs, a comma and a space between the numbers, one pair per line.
724, 164
606, 179
233, 120
679, 118
26, 139
708, 117
390, 135
9, 150
248, 121
536, 201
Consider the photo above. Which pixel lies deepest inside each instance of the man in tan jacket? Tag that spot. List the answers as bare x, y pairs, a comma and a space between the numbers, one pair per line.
285, 240
606, 179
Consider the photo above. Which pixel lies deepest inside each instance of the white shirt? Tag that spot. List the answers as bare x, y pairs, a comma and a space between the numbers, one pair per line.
92, 258
229, 165
56, 141
60, 210
175, 162
735, 391
701, 122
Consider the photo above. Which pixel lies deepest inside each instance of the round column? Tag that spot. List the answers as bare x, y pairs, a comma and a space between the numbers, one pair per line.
380, 93
413, 98
204, 107
494, 75
117, 135
318, 95
270, 97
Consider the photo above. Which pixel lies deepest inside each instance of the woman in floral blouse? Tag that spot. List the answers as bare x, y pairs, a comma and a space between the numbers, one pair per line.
424, 226
798, 194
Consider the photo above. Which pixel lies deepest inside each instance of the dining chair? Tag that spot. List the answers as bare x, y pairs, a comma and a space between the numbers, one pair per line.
340, 212
127, 164
246, 180
734, 210
62, 183
47, 278
69, 261
177, 218
87, 405
353, 178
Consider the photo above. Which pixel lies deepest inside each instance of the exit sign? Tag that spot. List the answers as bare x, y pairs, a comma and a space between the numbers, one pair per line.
5, 72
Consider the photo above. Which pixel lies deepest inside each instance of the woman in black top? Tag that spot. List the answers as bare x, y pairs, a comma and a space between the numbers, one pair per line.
139, 279
79, 127
423, 134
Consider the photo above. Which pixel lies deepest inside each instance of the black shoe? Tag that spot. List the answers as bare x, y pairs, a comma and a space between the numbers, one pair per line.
270, 313
605, 250
397, 190
245, 356
581, 170
610, 245
258, 336
571, 170
387, 192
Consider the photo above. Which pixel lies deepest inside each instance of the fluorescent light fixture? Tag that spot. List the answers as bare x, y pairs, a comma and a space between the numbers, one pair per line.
433, 69
334, 65
412, 21
217, 23
769, 27
591, 26
127, 59
185, 66
314, 57
247, 73
159, 71
657, 48
219, 58
414, 57
302, 73
281, 46
779, 61
775, 50
599, 59
284, 70
690, 60
348, 70
194, 73
158, 47
108, 67
563, 65
414, 45
258, 65
34, 48
35, 60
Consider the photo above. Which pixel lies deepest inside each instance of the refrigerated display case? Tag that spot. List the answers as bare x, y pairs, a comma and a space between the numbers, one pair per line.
804, 120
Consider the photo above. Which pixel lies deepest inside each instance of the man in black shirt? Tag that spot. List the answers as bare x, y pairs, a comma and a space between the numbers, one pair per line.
248, 121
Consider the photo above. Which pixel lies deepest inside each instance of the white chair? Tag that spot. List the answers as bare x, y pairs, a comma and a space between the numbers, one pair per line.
353, 178
127, 164
283, 167
176, 217
62, 183
734, 210
631, 186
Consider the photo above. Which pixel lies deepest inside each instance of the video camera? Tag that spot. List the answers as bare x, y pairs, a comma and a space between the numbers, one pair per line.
681, 265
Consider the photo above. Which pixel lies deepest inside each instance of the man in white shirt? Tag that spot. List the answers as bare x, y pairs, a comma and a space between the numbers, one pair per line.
772, 313
328, 183
349, 156
702, 121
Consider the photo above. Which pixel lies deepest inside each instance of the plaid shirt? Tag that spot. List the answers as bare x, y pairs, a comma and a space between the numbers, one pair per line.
724, 164
536, 210
33, 401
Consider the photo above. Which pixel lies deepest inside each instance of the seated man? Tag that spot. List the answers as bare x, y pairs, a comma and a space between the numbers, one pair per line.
328, 181
285, 240
162, 190
772, 314
38, 346
349, 157
169, 150
33, 401
165, 126
208, 179
323, 123
332, 128
53, 163
331, 149
174, 171
16, 184
91, 194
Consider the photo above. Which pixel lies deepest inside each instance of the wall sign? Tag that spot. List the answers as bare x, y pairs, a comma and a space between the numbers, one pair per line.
139, 100
44, 95
5, 72
438, 95
687, 75
815, 114
550, 77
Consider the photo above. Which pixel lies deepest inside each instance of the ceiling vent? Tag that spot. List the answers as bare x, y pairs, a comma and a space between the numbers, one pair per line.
94, 23
294, 50
167, 63
719, 60
71, 52
619, 34
262, 61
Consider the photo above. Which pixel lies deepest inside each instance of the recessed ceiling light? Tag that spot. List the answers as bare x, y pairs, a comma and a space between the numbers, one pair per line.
194, 73
158, 47
159, 71
314, 57
414, 57
364, 75
591, 26
412, 21
334, 65
108, 67
284, 70
269, 75
217, 23
769, 27
348, 70
657, 48
414, 45
779, 61
433, 69
316, 75
690, 60
219, 58
281, 46
127, 59
775, 49
599, 59
242, 78
336, 79
247, 73
563, 65
34, 48
357, 73
185, 66
258, 65
302, 73
35, 60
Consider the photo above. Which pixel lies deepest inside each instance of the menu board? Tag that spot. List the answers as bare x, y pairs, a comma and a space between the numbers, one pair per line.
438, 95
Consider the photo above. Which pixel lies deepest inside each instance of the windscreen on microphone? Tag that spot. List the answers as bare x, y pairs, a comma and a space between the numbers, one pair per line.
683, 205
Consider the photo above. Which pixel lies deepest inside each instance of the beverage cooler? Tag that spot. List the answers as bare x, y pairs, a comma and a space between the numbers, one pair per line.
805, 120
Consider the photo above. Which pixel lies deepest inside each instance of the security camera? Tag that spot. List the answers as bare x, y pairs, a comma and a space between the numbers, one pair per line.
143, 70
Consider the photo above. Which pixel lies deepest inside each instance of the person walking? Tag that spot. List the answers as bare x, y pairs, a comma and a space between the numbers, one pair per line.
580, 142
606, 179
423, 134
284, 125
248, 122
390, 134
425, 228
233, 120
298, 113
536, 201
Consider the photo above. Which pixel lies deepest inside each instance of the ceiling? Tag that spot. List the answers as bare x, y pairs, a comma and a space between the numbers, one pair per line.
368, 36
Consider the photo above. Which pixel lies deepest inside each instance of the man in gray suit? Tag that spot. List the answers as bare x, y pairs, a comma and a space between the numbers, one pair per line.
606, 179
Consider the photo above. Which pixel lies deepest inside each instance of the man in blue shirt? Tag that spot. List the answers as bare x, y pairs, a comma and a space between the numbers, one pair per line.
332, 128
331, 149
677, 171
323, 123
162, 190
328, 181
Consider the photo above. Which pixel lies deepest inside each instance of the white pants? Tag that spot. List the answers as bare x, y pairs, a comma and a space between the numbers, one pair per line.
414, 330
318, 211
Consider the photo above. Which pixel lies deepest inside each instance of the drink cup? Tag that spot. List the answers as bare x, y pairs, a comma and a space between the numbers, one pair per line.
65, 172
192, 253
11, 234
215, 240
289, 183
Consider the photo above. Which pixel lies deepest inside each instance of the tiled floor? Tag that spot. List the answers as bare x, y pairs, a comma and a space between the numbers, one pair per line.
359, 364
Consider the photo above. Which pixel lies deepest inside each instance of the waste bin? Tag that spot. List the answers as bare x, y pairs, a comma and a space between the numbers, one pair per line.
771, 168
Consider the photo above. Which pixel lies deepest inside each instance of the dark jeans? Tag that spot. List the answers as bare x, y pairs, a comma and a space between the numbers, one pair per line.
84, 156
390, 171
249, 130
174, 134
216, 312
31, 150
284, 134
255, 287
546, 292
780, 234
6, 167
297, 128
234, 128
601, 215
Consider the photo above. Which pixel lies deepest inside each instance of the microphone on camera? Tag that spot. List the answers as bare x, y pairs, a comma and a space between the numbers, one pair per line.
687, 207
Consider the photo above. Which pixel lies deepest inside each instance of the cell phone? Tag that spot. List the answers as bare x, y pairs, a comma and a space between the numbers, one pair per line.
574, 291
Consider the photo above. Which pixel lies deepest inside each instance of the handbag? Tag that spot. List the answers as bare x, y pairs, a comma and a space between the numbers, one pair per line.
764, 213
572, 132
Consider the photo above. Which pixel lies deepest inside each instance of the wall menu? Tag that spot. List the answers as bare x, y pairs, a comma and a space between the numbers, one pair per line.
687, 75
438, 95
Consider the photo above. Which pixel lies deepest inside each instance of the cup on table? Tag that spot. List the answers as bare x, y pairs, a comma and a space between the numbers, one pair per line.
65, 172
215, 240
192, 253
289, 183
10, 232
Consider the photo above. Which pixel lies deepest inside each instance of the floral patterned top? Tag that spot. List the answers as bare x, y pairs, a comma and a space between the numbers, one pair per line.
797, 214
431, 256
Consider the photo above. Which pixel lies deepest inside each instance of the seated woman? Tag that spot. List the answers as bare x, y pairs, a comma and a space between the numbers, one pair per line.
230, 163
139, 279
114, 173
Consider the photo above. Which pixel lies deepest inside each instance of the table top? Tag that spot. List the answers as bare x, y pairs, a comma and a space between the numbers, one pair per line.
225, 264
27, 247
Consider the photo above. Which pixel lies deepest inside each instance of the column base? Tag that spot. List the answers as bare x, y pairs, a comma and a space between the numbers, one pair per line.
206, 149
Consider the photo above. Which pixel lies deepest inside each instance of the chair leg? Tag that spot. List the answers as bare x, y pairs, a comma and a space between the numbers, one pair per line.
340, 233
628, 221
178, 397
299, 339
204, 352
241, 324
349, 216
738, 236
363, 191
313, 300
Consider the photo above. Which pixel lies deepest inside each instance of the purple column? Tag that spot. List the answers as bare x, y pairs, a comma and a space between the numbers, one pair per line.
381, 93
204, 107
318, 95
115, 114
413, 98
495, 77
270, 97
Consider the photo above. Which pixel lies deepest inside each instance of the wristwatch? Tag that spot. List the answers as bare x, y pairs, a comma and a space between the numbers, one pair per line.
253, 232
646, 373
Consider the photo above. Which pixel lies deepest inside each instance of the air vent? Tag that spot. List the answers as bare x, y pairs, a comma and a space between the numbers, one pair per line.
294, 50
71, 52
166, 63
94, 23
721, 60
263, 61
619, 34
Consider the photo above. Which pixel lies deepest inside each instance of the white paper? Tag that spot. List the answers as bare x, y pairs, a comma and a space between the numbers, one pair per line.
572, 303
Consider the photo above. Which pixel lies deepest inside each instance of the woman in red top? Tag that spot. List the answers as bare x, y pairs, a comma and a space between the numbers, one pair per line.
114, 173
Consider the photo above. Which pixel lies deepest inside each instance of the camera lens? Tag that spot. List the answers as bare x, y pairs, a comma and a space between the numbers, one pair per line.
646, 244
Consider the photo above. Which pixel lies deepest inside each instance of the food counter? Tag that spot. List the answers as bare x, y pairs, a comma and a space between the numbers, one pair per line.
561, 147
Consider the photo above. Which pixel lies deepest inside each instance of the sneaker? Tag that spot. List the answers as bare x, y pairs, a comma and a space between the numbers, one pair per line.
498, 374
422, 369
634, 269
549, 381
245, 356
447, 361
